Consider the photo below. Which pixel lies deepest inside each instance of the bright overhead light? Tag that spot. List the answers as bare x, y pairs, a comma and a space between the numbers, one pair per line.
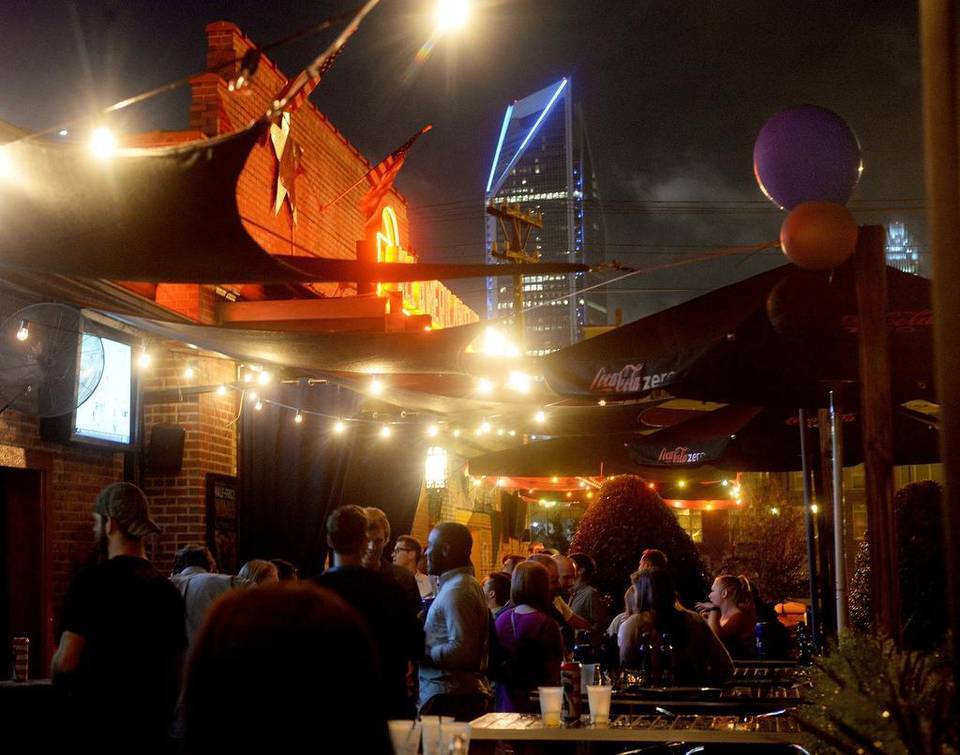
103, 144
519, 381
484, 386
385, 431
339, 427
494, 343
264, 377
540, 417
433, 431
23, 332
376, 387
452, 15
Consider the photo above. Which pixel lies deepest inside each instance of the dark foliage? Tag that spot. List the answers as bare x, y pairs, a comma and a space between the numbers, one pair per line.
626, 519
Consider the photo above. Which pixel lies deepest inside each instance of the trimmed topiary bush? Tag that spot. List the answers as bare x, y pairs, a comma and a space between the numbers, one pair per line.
626, 519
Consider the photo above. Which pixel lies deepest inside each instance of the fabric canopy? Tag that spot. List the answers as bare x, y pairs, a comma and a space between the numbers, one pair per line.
775, 339
731, 439
419, 352
163, 214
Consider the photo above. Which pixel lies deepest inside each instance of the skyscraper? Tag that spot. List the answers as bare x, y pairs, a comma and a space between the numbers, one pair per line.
902, 253
543, 164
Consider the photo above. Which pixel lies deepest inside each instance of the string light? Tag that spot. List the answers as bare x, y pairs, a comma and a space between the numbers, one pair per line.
298, 418
433, 431
456, 432
221, 390
247, 376
589, 494
652, 485
540, 417
501, 431
143, 361
23, 332
264, 377
484, 386
189, 371
253, 396
259, 405
7, 171
519, 381
814, 508
385, 431
63, 132
477, 481
725, 483
484, 427
103, 144
376, 387
554, 479
512, 433
775, 510
681, 484
339, 427
602, 402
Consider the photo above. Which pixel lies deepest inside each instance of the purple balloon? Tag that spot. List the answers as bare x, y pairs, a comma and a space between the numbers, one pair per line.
806, 153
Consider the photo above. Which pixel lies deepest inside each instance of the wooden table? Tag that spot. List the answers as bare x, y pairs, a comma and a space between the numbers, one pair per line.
627, 729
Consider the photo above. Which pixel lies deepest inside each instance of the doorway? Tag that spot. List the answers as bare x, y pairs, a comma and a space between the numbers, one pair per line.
22, 592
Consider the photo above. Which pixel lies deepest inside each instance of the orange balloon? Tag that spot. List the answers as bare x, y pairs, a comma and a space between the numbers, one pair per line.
818, 235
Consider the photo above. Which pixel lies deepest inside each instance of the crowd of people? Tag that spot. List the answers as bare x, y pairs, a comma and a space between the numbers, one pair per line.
201, 661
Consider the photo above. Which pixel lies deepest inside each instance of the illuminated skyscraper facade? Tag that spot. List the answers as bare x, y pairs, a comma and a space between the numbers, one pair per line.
902, 253
542, 163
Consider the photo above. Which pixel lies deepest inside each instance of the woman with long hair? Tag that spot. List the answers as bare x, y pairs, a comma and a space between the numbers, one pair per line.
530, 640
731, 614
698, 657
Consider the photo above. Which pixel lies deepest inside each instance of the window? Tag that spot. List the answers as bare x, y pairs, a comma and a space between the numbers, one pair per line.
691, 523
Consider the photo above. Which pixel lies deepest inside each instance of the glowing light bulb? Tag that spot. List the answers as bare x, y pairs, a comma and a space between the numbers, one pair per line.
484, 386
385, 431
501, 431
554, 479
814, 508
264, 377
23, 332
477, 481
681, 483
512, 433
143, 361
433, 431
652, 485
725, 483
452, 15
247, 376
103, 144
259, 405
589, 494
7, 171
63, 132
298, 418
602, 402
339, 427
376, 387
519, 381
189, 372
221, 390
456, 432
540, 417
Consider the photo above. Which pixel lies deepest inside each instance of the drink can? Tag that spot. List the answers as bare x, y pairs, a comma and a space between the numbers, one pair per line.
572, 699
21, 659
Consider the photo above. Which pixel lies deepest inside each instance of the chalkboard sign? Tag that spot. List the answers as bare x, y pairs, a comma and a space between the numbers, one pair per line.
222, 508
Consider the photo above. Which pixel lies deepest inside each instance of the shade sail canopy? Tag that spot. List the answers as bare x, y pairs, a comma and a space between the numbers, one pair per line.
163, 214
307, 354
725, 346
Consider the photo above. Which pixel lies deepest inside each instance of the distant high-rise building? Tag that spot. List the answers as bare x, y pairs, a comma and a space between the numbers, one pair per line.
543, 164
902, 252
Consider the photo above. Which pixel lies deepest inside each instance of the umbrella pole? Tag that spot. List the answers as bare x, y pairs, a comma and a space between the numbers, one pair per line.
808, 520
840, 567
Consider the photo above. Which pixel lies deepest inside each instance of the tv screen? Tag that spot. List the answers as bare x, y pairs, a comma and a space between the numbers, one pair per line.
106, 416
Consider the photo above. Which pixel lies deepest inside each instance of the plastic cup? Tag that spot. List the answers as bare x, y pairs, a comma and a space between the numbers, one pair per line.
598, 696
449, 735
405, 737
551, 705
433, 728
588, 676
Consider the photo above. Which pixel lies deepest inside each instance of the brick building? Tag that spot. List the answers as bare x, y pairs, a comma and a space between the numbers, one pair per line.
47, 487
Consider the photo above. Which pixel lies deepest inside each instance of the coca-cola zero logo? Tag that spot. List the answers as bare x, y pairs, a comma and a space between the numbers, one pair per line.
628, 379
680, 455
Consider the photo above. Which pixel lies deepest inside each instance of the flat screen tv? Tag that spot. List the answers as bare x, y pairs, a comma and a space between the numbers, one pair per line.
107, 416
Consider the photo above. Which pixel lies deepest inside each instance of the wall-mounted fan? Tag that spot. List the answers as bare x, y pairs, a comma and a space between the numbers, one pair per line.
41, 372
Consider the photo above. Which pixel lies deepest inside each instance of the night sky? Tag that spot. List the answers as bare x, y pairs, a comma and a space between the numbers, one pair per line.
673, 94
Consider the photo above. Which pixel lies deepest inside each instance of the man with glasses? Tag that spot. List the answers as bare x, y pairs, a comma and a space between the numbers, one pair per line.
406, 555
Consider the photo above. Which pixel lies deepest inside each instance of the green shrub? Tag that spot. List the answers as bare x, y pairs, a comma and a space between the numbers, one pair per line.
626, 519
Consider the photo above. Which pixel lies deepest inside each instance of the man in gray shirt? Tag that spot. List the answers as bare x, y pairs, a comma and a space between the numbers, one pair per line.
585, 599
453, 670
195, 575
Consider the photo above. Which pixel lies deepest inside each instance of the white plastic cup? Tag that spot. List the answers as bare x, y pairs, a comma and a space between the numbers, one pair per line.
598, 696
450, 733
551, 705
434, 728
588, 676
405, 737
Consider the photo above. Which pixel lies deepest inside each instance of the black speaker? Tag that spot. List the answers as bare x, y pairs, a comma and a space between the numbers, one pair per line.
165, 455
56, 429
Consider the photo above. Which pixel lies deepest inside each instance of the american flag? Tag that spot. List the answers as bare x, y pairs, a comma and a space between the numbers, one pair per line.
381, 177
298, 89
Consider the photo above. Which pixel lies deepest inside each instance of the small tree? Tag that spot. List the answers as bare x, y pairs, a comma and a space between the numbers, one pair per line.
768, 541
626, 519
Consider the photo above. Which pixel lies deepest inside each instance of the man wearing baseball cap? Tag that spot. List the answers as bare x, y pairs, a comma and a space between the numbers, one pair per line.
123, 634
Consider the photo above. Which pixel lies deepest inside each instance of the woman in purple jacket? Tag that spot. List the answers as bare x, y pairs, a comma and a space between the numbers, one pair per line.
530, 640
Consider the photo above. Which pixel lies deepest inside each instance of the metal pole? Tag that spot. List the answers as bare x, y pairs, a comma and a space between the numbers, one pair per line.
840, 583
941, 102
808, 519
